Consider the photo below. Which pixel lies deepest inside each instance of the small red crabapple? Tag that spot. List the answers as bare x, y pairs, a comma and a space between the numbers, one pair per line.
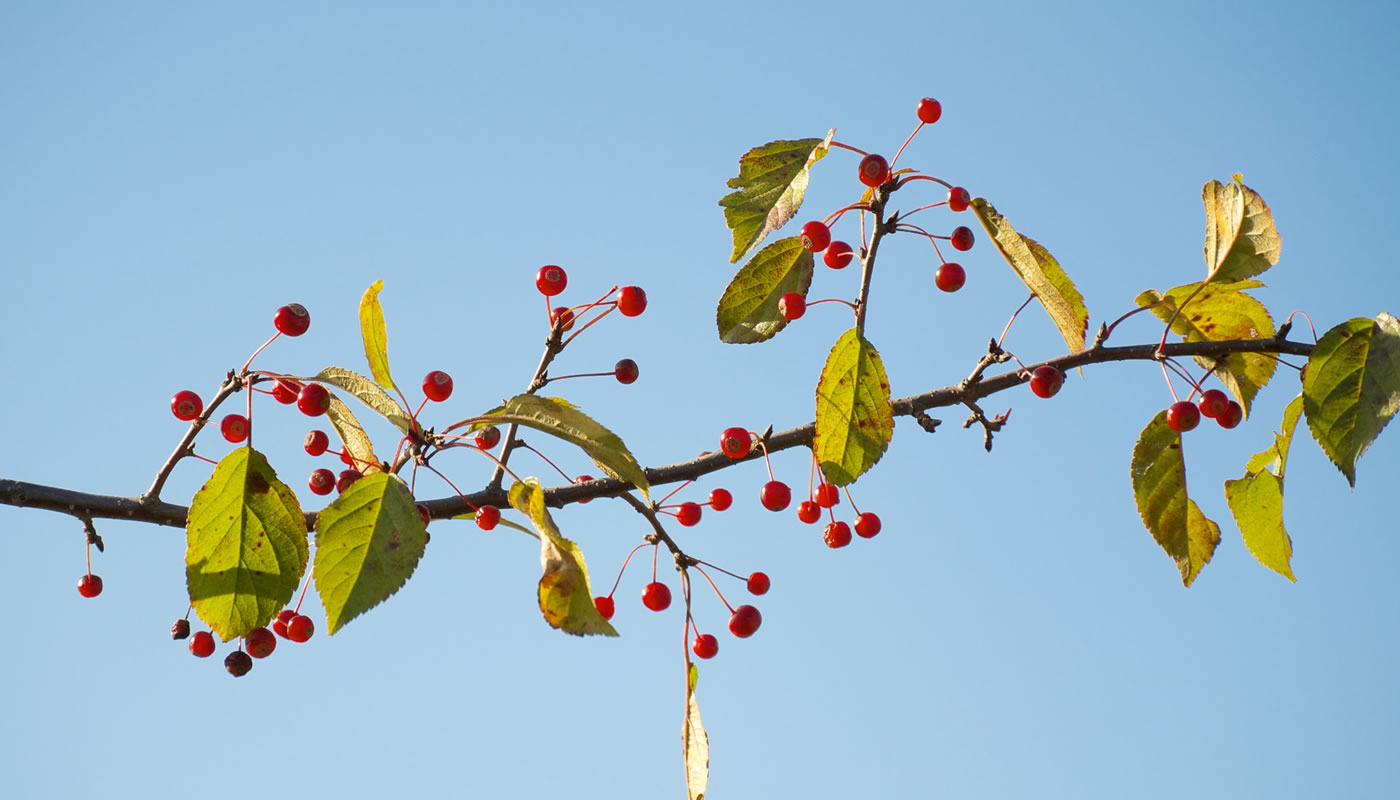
688, 514
827, 495
1183, 416
1231, 416
720, 499
631, 301
487, 517
563, 316
775, 495
202, 644
284, 618
961, 238
285, 391
424, 514
792, 306
316, 443
656, 596
322, 481
314, 400
808, 511
186, 405
300, 628
816, 236
744, 621
758, 583
180, 630
958, 199
604, 606
836, 534
838, 254
292, 319
706, 646
260, 643
584, 479
625, 371
238, 663
874, 170
488, 437
929, 110
437, 386
1046, 380
89, 585
347, 477
551, 280
867, 525
1213, 403
234, 427
950, 276
735, 442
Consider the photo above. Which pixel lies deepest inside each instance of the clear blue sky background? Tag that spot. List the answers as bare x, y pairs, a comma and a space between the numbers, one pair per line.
170, 173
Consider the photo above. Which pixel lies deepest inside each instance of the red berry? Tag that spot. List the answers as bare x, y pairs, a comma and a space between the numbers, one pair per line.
488, 437
202, 644
285, 391
292, 319
958, 199
487, 517
551, 280
688, 514
867, 525
838, 255
874, 170
604, 606
260, 643
300, 628
656, 596
1183, 416
284, 617
238, 663
816, 236
437, 386
563, 316
89, 585
950, 277
808, 511
759, 583
775, 495
929, 110
424, 514
827, 495
792, 306
1046, 380
314, 400
1231, 416
961, 238
625, 371
180, 630
186, 405
744, 621
322, 481
347, 477
706, 646
720, 499
631, 301
837, 534
1213, 403
234, 427
735, 442
584, 479
316, 443
347, 459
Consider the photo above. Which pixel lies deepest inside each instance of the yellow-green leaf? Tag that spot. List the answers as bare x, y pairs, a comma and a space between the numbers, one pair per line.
1041, 273
368, 393
375, 336
855, 420
1159, 486
1256, 500
566, 599
1241, 240
352, 435
696, 742
769, 188
245, 545
748, 311
1352, 387
368, 543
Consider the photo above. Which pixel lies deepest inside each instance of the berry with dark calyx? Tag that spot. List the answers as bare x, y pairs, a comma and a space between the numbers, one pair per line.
688, 514
631, 301
758, 583
706, 646
437, 386
300, 628
488, 437
816, 236
929, 110
260, 643
487, 517
958, 199
792, 306
775, 495
867, 525
202, 644
238, 663
625, 371
961, 238
656, 596
836, 534
180, 630
605, 607
1213, 403
744, 621
1046, 380
186, 405
562, 316
285, 391
551, 280
720, 499
284, 618
424, 514
584, 479
1231, 416
735, 442
234, 427
89, 585
950, 277
314, 400
827, 495
347, 477
838, 255
1183, 416
292, 319
322, 481
316, 443
874, 170
808, 511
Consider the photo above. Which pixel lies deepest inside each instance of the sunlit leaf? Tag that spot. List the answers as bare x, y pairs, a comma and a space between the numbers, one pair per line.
748, 311
1159, 486
566, 599
352, 435
368, 543
367, 391
375, 336
696, 741
1241, 240
1352, 387
769, 189
245, 545
855, 420
1256, 500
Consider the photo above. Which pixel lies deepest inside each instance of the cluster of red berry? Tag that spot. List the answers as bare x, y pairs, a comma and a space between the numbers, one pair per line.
259, 643
1184, 415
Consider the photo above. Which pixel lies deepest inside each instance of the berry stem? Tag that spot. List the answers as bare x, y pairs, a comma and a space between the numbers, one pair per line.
623, 569
1014, 314
702, 571
672, 493
835, 143
900, 152
249, 362
232, 383
1289, 323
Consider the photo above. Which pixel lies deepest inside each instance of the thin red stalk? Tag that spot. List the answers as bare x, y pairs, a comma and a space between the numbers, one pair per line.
895, 160
617, 582
702, 571
1007, 329
259, 350
848, 147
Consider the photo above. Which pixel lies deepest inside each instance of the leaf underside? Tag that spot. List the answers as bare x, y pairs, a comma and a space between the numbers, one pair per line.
695, 741
565, 597
748, 310
855, 419
1352, 388
1159, 487
769, 188
352, 435
1241, 240
367, 391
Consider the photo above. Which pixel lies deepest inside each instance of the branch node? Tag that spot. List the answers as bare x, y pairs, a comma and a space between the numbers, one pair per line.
926, 422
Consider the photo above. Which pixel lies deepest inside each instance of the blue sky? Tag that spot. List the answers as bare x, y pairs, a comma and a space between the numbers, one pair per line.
173, 173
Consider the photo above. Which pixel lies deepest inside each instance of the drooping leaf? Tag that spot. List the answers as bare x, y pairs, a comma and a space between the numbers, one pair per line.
1159, 486
1241, 240
352, 435
375, 336
696, 742
769, 188
1352, 387
1220, 312
748, 311
367, 391
855, 420
1041, 273
368, 543
566, 599
245, 545
1256, 500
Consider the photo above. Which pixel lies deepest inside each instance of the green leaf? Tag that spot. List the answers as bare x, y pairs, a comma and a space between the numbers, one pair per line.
566, 600
1159, 486
770, 185
368, 392
696, 742
376, 338
352, 435
1352, 388
368, 543
245, 545
748, 311
1241, 240
855, 420
1220, 312
1041, 273
1256, 500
